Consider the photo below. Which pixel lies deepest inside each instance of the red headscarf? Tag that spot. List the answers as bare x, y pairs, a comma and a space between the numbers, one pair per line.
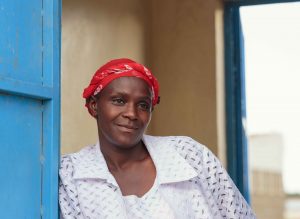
121, 68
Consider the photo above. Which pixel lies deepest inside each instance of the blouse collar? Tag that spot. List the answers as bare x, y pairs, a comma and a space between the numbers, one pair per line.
171, 167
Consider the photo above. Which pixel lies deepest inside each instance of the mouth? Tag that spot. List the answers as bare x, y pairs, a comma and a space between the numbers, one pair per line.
127, 128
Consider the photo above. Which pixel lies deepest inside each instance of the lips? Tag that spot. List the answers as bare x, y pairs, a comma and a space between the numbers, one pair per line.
127, 128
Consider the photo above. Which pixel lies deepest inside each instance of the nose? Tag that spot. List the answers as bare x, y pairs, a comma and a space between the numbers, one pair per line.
130, 112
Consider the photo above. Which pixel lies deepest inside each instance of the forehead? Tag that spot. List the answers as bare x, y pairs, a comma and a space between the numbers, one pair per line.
128, 85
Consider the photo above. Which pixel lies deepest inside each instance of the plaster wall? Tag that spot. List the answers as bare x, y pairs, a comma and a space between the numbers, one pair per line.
175, 39
94, 32
183, 56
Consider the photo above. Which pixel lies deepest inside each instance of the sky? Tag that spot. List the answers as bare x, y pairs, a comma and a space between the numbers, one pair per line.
272, 66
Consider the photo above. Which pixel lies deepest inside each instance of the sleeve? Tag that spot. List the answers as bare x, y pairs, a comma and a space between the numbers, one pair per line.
226, 195
68, 198
221, 193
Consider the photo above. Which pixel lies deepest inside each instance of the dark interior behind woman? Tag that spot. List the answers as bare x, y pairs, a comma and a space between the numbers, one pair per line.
128, 174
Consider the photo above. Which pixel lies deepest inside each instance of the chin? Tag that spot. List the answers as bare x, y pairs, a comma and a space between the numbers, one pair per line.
127, 141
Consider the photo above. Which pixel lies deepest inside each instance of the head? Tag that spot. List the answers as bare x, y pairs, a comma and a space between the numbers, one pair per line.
121, 96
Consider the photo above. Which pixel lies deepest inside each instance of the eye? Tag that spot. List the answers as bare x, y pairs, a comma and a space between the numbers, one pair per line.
145, 106
118, 101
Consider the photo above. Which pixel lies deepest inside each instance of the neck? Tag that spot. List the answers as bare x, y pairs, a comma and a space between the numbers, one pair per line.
118, 158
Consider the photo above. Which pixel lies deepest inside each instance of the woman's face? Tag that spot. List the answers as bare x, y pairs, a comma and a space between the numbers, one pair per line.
123, 111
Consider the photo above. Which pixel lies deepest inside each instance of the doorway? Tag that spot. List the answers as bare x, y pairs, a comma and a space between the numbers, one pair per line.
262, 65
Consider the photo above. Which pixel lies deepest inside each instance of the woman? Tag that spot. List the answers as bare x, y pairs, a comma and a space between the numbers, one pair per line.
132, 175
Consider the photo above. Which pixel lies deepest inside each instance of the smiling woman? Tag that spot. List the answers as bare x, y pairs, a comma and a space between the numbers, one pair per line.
131, 175
123, 110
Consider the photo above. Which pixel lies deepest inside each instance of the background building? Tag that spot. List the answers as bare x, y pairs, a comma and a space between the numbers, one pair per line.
265, 166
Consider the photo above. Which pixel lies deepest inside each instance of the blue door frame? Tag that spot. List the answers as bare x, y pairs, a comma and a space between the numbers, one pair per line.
51, 69
237, 162
29, 108
237, 155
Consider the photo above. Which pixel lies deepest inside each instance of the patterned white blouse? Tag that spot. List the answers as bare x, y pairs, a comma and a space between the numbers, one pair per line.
190, 183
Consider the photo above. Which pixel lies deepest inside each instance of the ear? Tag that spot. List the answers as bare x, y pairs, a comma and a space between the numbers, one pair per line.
92, 106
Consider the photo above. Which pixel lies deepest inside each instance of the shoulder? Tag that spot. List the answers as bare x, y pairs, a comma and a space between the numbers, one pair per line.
184, 145
211, 176
68, 161
195, 153
68, 195
176, 141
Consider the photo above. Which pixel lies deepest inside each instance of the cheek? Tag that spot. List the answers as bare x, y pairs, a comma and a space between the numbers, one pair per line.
108, 115
147, 118
103, 115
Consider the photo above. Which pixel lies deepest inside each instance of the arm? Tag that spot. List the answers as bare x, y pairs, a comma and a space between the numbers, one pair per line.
221, 193
226, 195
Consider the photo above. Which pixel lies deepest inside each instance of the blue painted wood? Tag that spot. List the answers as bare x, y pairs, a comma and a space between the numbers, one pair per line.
237, 159
30, 89
243, 170
230, 93
24, 88
20, 167
21, 45
235, 3
51, 68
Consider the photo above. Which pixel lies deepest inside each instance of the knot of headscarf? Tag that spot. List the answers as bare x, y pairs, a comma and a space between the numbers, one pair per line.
121, 68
